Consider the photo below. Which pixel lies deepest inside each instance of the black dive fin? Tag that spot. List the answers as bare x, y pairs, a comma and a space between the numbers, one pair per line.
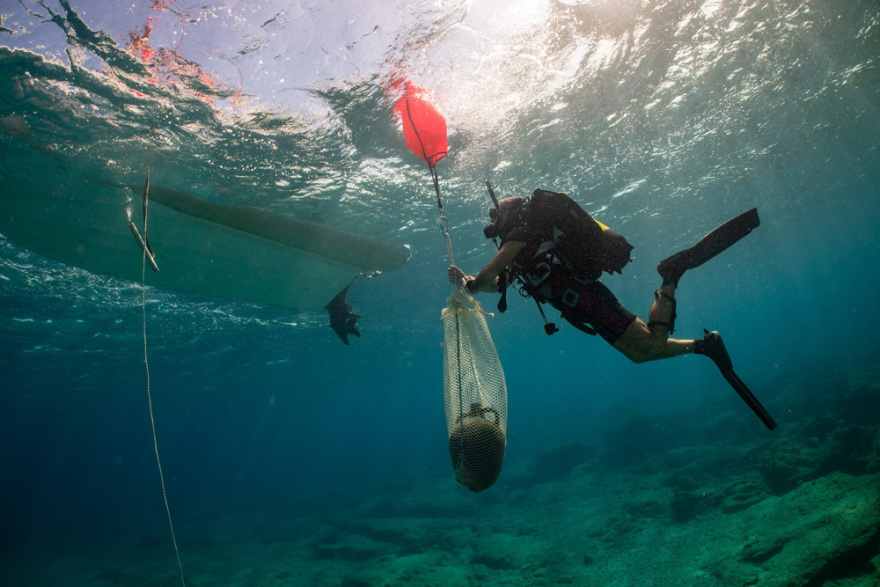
710, 245
737, 384
723, 237
713, 347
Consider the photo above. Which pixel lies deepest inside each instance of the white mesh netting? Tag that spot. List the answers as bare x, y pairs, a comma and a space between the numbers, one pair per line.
475, 394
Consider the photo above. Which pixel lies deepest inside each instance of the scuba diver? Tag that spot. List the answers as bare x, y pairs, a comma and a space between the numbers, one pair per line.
556, 252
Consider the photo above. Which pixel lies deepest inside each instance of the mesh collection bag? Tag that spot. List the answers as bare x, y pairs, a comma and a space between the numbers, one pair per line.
474, 393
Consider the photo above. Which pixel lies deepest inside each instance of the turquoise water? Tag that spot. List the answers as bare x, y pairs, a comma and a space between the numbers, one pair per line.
291, 459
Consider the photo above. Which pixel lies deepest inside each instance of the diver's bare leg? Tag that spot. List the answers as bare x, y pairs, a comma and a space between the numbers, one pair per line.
642, 342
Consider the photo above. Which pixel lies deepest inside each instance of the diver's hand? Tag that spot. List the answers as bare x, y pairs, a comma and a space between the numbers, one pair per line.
457, 276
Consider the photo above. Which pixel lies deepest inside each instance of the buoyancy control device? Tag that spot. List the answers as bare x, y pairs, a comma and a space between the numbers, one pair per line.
586, 245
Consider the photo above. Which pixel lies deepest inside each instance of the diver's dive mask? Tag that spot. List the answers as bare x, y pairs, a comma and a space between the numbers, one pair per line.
491, 231
501, 216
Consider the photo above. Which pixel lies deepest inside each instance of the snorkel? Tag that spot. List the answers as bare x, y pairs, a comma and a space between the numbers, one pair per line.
492, 194
491, 231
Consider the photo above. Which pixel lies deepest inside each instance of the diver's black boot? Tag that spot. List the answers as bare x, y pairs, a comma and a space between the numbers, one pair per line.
672, 268
712, 346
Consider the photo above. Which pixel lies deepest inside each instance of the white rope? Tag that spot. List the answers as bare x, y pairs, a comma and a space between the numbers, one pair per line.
150, 400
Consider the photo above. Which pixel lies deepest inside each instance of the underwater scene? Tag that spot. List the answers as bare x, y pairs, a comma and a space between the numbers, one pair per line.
232, 354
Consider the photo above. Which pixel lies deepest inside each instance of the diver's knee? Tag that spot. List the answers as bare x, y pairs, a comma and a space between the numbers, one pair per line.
645, 355
646, 349
638, 358
634, 352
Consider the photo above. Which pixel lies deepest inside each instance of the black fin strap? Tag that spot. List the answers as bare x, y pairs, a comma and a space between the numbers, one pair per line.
671, 323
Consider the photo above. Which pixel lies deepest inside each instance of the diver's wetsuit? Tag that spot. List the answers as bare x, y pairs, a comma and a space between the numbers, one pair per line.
582, 299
